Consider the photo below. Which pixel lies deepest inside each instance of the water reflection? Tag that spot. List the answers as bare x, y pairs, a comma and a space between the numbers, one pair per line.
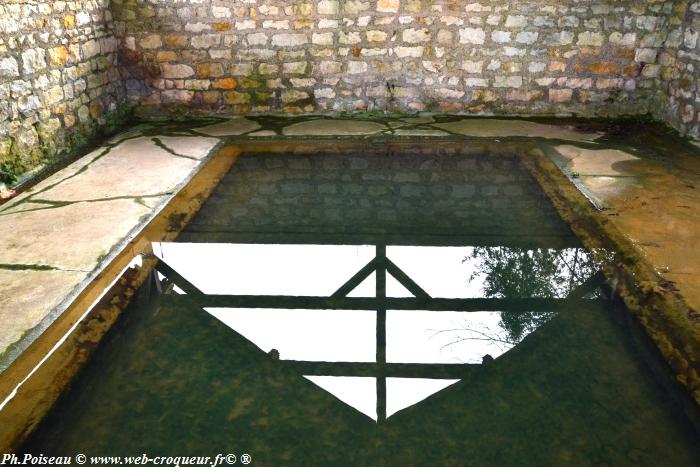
307, 335
388, 306
293, 229
521, 273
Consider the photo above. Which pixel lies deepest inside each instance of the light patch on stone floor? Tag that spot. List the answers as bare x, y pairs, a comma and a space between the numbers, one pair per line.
494, 128
407, 132
190, 146
27, 296
71, 237
604, 162
333, 128
263, 133
232, 127
134, 168
602, 188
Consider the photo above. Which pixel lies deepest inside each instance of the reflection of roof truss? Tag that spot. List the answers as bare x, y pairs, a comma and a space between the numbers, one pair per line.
341, 302
380, 265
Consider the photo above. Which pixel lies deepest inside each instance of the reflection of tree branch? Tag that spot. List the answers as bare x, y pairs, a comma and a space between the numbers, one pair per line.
522, 273
485, 337
496, 342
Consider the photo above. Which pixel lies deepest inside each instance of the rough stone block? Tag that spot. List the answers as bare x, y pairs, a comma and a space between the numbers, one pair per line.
328, 7
472, 36
235, 98
289, 40
33, 60
324, 38
173, 71
151, 41
413, 36
560, 95
224, 83
388, 6
8, 67
210, 70
594, 39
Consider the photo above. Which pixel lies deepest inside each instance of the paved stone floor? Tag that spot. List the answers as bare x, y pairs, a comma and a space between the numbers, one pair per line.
64, 230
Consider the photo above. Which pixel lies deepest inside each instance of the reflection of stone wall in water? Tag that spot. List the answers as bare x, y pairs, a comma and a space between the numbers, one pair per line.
448, 194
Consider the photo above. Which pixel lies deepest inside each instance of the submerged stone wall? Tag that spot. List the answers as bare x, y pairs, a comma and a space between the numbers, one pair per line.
513, 57
445, 192
59, 82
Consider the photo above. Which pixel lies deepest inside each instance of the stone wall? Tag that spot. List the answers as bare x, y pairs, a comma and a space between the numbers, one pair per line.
66, 68
58, 79
512, 57
680, 69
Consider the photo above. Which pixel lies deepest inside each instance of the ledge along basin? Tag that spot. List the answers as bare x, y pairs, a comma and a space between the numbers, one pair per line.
378, 303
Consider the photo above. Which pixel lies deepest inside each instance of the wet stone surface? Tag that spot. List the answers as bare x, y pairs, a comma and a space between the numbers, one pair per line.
652, 199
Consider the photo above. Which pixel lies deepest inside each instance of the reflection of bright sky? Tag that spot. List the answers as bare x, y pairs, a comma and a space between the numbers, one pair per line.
405, 392
443, 337
311, 335
255, 269
342, 335
439, 270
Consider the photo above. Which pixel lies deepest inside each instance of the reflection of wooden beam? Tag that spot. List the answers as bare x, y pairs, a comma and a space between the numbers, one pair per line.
357, 279
380, 294
404, 280
175, 277
511, 305
371, 369
218, 234
514, 305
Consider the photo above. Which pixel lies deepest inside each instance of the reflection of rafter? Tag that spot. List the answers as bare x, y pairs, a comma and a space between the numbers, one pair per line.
357, 279
371, 369
380, 265
371, 303
512, 305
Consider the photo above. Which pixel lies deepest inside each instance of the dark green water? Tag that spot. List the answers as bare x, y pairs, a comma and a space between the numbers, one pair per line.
570, 385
